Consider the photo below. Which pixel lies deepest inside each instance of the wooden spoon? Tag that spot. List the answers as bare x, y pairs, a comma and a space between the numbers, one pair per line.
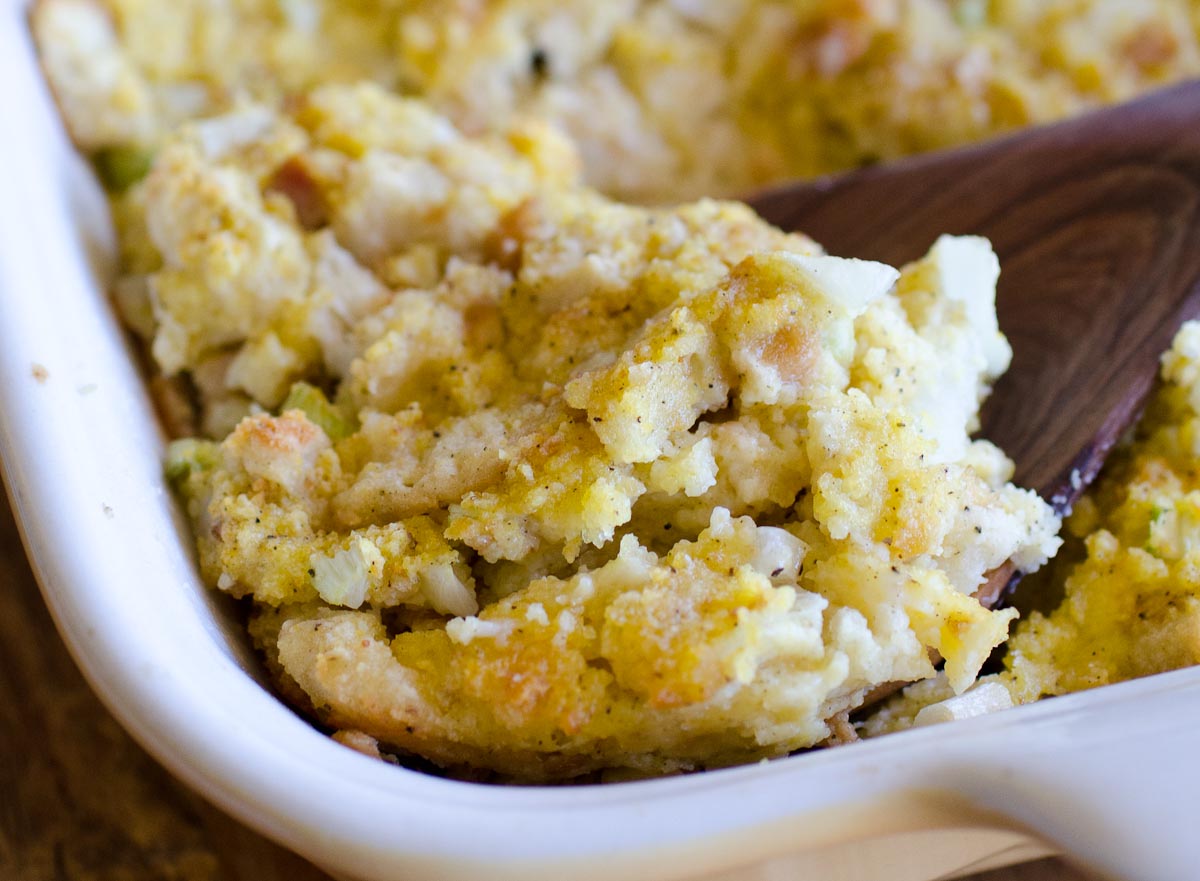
1097, 225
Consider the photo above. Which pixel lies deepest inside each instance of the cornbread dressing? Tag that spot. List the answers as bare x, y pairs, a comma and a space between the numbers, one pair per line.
667, 99
600, 486
521, 479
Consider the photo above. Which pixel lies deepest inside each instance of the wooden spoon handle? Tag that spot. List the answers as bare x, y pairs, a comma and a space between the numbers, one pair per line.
1097, 225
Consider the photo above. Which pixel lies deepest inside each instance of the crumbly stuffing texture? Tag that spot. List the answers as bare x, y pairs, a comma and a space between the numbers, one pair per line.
524, 479
573, 485
667, 99
1132, 605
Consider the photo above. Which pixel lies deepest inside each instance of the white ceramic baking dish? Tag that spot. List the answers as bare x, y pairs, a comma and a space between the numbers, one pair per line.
1108, 776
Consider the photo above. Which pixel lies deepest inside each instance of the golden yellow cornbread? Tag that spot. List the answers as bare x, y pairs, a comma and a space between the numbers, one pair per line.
666, 99
523, 479
594, 486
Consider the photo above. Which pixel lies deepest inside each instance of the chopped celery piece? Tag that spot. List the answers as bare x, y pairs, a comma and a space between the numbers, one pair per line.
187, 456
971, 13
312, 401
122, 167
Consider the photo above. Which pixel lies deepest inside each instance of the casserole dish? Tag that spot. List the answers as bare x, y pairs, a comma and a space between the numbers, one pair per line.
1104, 776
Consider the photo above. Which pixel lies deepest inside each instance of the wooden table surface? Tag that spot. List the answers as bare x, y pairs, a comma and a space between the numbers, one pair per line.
80, 800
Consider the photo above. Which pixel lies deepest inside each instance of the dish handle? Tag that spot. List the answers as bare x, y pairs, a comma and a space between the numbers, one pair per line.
1119, 796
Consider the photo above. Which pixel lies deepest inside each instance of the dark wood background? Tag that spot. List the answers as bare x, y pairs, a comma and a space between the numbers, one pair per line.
80, 800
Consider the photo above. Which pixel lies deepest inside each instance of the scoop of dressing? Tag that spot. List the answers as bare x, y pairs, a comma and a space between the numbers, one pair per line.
1096, 222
